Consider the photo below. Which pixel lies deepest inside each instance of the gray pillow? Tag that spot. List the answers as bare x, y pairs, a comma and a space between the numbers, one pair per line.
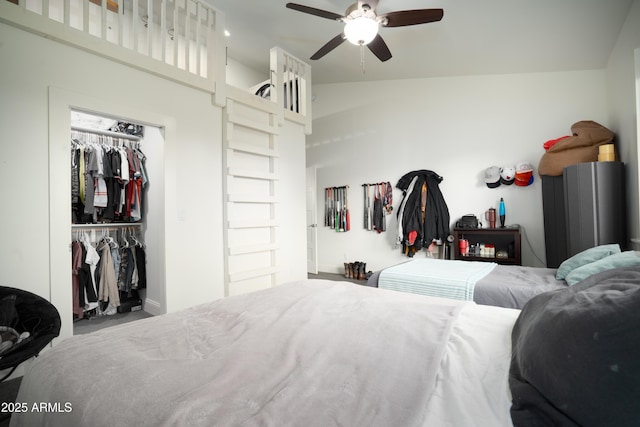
622, 259
585, 257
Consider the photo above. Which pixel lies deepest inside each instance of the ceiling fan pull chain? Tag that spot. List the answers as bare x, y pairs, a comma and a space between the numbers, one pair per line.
362, 57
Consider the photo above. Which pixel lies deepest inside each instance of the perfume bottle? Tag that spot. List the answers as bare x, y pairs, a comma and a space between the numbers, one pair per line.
501, 212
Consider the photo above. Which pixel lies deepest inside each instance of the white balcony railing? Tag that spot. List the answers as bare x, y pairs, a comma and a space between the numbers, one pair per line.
179, 39
292, 79
182, 40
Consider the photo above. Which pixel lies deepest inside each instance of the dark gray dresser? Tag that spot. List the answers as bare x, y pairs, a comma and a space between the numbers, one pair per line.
583, 208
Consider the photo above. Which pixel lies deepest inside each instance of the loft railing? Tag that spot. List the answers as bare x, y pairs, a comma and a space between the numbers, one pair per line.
292, 79
182, 40
179, 39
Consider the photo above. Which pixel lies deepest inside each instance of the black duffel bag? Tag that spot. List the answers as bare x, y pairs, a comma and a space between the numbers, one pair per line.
468, 221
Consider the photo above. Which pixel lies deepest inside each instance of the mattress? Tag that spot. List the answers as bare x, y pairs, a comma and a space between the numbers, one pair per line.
313, 353
508, 286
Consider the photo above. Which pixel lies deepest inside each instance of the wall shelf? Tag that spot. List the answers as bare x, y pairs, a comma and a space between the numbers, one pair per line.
505, 239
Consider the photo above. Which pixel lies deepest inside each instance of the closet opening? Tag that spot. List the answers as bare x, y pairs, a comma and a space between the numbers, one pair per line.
116, 213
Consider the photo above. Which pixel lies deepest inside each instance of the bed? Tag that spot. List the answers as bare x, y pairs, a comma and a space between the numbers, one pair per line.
310, 353
485, 283
323, 353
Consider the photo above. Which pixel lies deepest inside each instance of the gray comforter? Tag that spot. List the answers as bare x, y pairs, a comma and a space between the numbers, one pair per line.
508, 286
311, 353
512, 286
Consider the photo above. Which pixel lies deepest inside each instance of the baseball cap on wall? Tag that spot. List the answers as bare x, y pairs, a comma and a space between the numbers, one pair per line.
524, 174
507, 175
492, 177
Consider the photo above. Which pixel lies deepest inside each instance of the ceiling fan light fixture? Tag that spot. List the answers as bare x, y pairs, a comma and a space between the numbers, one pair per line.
361, 30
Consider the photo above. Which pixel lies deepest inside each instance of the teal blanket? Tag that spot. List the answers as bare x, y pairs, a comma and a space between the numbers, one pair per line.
436, 277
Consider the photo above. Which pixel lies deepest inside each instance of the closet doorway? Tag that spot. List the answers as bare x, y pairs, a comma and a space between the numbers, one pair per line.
61, 103
116, 214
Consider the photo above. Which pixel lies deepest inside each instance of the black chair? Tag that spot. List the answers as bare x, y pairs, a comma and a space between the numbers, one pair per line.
32, 314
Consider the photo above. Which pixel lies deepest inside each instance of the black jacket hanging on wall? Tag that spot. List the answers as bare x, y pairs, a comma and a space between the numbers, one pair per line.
423, 215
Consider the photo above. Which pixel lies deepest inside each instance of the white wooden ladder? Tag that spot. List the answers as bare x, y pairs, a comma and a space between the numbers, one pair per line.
250, 212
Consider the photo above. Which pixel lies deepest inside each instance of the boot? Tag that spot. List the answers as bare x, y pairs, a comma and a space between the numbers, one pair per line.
350, 271
346, 269
363, 271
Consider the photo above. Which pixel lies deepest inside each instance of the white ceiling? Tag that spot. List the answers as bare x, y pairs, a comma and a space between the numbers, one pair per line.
474, 37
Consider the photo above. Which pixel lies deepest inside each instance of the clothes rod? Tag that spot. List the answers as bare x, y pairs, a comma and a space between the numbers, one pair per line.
106, 133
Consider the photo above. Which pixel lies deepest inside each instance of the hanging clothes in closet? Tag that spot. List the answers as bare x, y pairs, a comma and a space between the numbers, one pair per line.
108, 176
106, 271
131, 271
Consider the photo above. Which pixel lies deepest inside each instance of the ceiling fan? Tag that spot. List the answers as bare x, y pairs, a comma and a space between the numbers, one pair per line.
362, 25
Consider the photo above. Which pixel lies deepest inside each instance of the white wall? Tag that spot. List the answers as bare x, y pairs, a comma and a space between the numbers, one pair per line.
154, 149
621, 85
41, 82
292, 255
243, 77
33, 71
457, 127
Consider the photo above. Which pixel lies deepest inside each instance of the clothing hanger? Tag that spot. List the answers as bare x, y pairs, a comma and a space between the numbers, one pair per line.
138, 241
110, 240
124, 238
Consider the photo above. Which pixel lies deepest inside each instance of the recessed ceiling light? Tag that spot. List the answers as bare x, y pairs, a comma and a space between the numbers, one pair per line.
227, 33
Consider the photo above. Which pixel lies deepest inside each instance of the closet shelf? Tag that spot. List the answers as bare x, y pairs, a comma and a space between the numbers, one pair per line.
246, 173
105, 133
252, 149
109, 225
250, 274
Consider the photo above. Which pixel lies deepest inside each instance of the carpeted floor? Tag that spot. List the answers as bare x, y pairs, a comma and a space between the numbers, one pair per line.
334, 276
93, 324
8, 393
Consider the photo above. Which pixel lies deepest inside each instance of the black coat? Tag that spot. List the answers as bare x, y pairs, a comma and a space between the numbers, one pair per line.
436, 220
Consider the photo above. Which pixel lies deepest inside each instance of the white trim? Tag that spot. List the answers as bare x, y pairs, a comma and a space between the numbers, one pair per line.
54, 30
636, 55
61, 102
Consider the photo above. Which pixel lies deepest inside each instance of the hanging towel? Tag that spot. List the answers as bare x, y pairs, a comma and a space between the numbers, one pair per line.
100, 197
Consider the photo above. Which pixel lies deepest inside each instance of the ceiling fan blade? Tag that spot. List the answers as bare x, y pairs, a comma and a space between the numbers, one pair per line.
379, 48
412, 17
331, 44
313, 11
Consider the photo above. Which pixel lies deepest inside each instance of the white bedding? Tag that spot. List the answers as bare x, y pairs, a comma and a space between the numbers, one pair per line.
311, 353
